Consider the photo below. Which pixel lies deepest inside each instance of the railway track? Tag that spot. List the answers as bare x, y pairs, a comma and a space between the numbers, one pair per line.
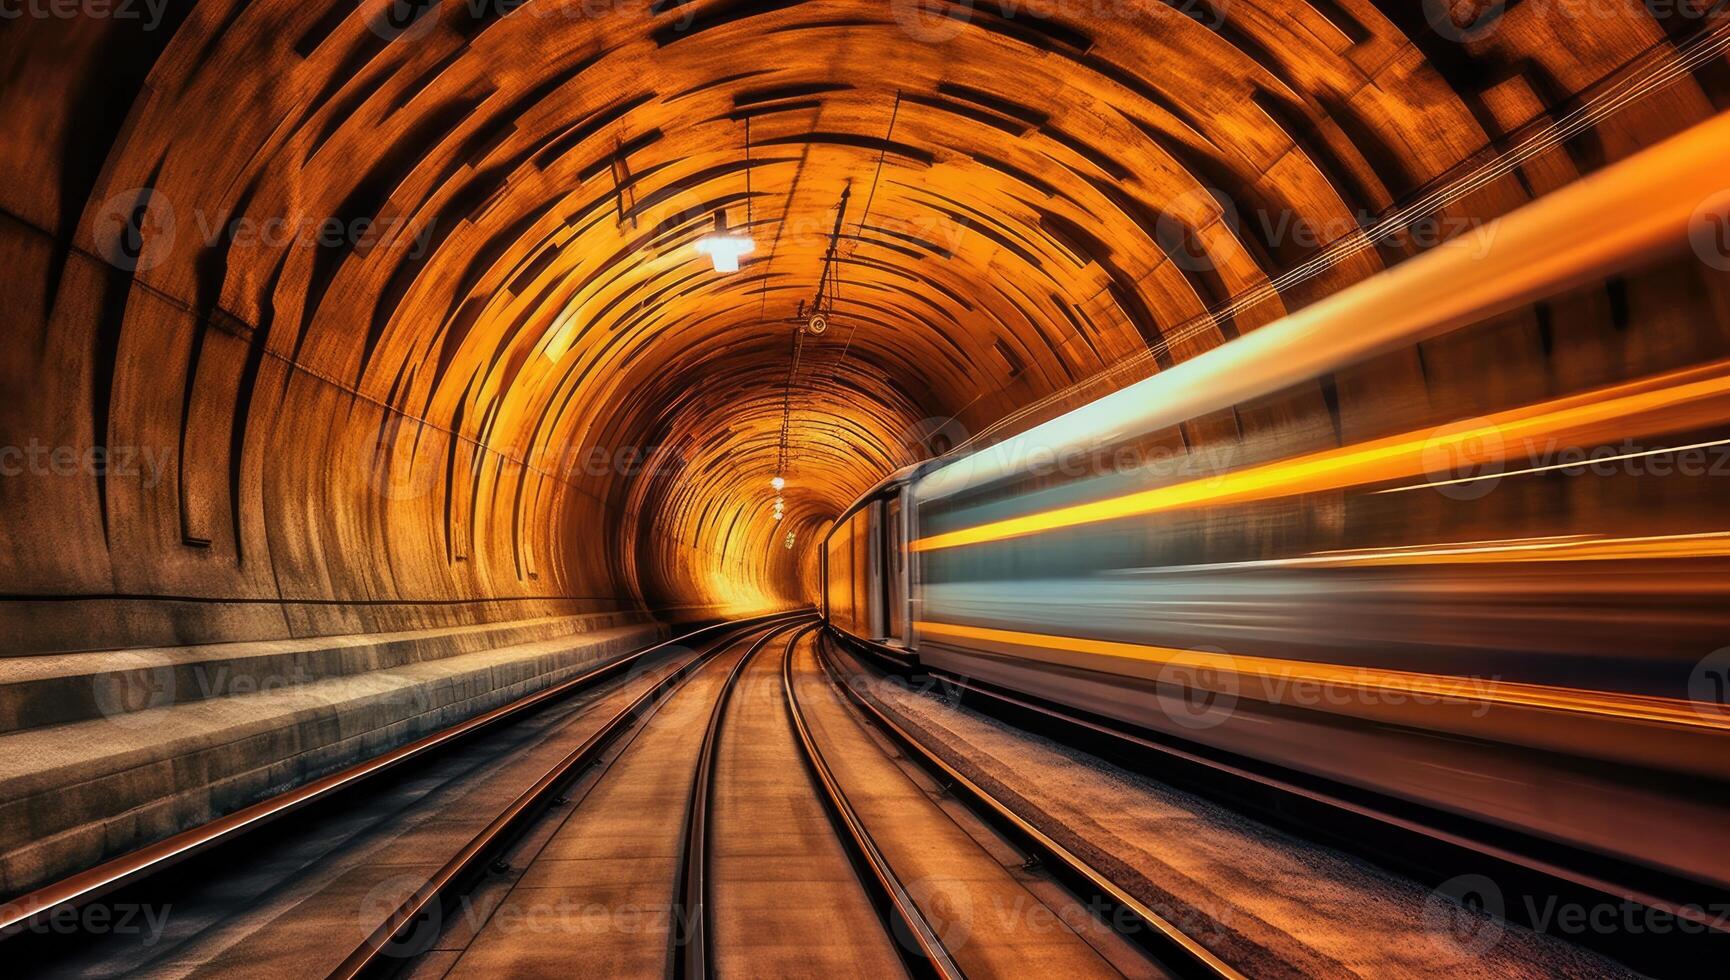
397, 939
1168, 944
769, 815
627, 811
635, 842
753, 801
1434, 849
923, 953
886, 854
178, 873
693, 956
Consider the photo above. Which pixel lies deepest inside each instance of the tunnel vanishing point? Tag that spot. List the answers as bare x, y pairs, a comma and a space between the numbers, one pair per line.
792, 487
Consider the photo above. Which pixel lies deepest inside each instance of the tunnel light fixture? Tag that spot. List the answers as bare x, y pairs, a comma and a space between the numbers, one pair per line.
724, 248
779, 484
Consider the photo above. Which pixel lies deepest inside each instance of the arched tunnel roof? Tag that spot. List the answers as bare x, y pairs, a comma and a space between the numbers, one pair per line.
418, 279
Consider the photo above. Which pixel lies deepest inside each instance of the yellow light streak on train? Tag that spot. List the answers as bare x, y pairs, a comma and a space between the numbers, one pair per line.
1558, 467
1570, 547
1273, 673
1706, 544
1671, 402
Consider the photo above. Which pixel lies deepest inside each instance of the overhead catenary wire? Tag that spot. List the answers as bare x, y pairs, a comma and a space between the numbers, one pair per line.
828, 291
882, 153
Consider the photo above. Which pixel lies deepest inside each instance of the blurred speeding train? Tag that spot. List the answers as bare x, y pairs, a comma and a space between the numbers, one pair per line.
1522, 618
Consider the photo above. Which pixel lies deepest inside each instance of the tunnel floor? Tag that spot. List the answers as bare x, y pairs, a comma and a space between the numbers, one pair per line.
765, 762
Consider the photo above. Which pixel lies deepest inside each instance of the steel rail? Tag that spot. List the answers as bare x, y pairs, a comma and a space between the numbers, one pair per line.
692, 950
902, 917
1164, 940
75, 891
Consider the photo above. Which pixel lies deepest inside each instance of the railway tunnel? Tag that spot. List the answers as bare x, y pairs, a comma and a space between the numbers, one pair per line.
377, 368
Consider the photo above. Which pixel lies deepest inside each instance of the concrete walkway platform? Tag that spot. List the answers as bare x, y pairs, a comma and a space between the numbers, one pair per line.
96, 762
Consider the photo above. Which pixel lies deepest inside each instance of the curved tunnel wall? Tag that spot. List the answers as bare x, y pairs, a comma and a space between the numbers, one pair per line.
387, 315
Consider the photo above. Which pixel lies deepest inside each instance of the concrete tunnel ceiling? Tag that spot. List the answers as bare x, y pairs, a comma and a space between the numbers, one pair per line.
466, 378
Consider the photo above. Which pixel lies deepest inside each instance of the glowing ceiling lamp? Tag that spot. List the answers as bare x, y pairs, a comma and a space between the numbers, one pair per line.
723, 247
779, 484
